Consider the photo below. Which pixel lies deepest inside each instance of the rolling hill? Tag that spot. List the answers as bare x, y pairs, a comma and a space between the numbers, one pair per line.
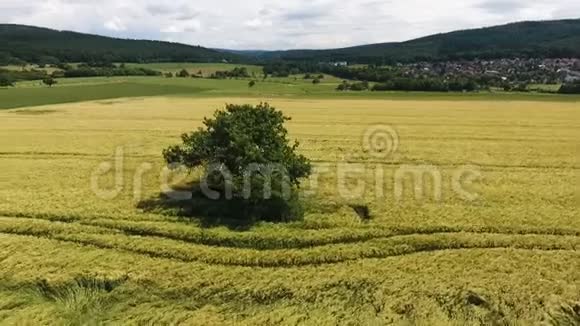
559, 38
34, 44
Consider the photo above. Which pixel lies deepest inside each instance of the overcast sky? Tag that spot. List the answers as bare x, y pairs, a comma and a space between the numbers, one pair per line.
273, 24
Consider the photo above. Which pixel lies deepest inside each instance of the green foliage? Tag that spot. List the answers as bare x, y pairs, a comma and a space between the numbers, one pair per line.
48, 60
426, 85
237, 72
183, 73
360, 86
19, 75
285, 69
252, 83
6, 80
245, 148
108, 70
570, 88
6, 59
557, 39
388, 78
521, 87
241, 213
42, 43
49, 81
346, 86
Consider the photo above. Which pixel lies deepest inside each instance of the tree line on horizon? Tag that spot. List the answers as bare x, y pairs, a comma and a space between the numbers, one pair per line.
30, 44
545, 39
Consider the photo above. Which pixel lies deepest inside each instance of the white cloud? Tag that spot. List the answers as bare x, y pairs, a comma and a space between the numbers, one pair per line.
278, 24
115, 25
257, 23
190, 26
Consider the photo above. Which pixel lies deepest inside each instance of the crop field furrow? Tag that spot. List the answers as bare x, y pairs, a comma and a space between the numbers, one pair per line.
316, 239
405, 245
327, 254
301, 238
270, 240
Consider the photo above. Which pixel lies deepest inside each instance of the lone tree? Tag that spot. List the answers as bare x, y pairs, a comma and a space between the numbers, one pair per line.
251, 170
252, 83
49, 81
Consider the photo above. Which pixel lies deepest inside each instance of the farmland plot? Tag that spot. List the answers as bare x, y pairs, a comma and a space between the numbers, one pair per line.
472, 217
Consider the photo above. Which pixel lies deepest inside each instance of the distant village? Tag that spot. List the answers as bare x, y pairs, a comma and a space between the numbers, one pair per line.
532, 71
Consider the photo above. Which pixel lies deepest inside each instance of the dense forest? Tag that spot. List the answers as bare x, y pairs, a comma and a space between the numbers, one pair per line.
570, 88
20, 43
545, 39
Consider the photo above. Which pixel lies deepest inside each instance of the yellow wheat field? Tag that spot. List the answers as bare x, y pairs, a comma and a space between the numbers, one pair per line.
508, 255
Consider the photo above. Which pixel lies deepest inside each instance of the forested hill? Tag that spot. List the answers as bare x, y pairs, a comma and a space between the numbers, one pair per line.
559, 38
33, 44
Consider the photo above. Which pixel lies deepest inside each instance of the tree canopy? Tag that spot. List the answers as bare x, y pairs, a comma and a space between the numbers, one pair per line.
249, 163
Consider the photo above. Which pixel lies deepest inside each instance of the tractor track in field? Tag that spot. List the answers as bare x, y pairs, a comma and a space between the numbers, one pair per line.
395, 250
286, 241
256, 252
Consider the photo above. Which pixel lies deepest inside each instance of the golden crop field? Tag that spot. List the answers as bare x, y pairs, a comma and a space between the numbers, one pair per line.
488, 233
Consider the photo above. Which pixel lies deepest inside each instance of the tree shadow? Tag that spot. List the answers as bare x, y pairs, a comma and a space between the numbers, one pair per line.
190, 204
